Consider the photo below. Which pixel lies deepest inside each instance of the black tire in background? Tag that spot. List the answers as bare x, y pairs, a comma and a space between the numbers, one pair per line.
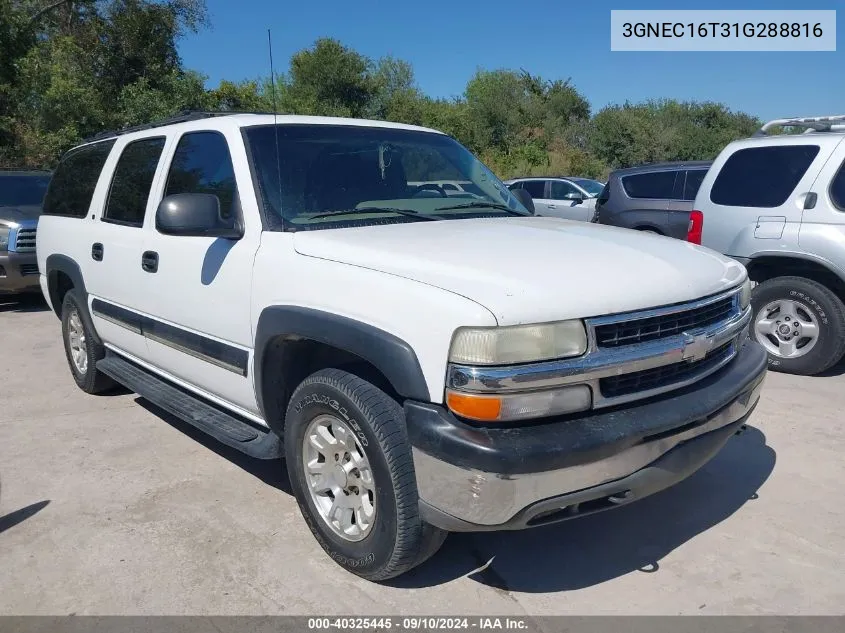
398, 539
91, 380
828, 311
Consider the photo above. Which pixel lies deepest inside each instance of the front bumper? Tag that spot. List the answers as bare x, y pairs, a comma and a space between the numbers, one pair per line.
481, 478
18, 272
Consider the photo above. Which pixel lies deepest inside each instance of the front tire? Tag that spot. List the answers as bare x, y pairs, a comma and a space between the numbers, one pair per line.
800, 322
352, 473
81, 350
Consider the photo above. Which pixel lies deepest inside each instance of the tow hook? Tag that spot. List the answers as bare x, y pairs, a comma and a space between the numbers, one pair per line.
742, 429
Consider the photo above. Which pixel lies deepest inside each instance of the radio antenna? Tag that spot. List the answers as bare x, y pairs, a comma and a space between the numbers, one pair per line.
275, 124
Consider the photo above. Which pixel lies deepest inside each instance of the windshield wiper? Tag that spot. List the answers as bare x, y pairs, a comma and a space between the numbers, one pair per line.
483, 205
406, 212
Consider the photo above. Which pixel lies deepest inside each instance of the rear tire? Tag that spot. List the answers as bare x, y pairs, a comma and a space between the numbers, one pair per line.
358, 428
81, 350
807, 307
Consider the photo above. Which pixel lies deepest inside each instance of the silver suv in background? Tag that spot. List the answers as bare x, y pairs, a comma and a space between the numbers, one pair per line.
21, 195
776, 203
656, 198
567, 197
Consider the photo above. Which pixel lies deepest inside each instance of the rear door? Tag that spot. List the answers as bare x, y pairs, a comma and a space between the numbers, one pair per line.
113, 274
823, 219
538, 190
648, 195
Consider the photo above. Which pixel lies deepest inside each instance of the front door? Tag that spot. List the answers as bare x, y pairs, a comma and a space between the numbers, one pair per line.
563, 206
199, 288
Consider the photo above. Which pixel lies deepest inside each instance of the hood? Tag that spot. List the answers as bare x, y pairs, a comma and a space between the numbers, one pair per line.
20, 213
534, 269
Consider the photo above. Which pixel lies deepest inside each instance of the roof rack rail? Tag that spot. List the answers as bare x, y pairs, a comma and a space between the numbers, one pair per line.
181, 117
811, 124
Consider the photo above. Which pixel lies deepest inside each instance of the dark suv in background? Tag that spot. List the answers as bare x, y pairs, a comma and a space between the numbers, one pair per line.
21, 195
656, 197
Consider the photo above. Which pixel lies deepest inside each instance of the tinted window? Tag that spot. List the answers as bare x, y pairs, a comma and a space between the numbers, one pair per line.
762, 176
657, 185
75, 179
22, 189
560, 189
837, 188
537, 188
202, 164
133, 177
694, 178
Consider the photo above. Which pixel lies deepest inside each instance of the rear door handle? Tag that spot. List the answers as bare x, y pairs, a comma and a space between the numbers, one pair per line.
97, 252
551, 206
149, 261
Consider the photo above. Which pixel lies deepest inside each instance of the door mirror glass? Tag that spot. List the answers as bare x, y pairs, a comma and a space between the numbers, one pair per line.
196, 214
575, 196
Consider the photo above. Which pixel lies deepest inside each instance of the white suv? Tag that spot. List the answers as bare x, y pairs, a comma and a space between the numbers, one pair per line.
423, 363
776, 203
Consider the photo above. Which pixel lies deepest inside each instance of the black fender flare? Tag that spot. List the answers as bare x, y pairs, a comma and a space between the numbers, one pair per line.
392, 356
66, 265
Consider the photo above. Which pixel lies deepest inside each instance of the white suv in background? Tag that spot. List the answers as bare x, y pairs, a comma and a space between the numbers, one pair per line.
424, 363
776, 202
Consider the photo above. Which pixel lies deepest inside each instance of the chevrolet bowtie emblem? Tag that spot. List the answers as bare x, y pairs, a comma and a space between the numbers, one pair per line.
696, 347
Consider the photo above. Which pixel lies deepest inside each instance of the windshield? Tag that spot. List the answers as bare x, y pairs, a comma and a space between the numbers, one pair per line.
592, 187
335, 175
22, 190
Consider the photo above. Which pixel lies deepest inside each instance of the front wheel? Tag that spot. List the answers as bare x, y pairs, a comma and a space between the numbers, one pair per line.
800, 322
351, 470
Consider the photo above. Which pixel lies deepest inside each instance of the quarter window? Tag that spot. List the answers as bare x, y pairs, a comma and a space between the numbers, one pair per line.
656, 185
762, 176
72, 186
130, 185
837, 188
202, 164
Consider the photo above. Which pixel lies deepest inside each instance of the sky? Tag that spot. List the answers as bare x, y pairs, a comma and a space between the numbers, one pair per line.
446, 41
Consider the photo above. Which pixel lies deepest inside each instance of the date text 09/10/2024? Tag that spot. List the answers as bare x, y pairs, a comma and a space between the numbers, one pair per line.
417, 623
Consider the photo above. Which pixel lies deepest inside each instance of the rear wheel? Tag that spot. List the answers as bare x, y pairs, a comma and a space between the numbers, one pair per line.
351, 470
81, 350
800, 322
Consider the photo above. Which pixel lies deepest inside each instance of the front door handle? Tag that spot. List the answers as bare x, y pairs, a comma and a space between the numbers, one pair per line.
149, 261
551, 206
97, 252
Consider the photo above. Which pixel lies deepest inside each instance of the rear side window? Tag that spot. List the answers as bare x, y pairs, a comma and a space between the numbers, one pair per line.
202, 164
656, 185
837, 189
75, 179
762, 176
560, 189
537, 188
693, 183
130, 185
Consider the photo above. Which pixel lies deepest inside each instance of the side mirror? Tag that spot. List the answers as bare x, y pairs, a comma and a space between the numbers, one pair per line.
525, 198
196, 214
576, 196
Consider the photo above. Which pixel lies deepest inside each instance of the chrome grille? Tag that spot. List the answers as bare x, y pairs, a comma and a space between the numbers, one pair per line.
665, 376
657, 327
25, 242
29, 269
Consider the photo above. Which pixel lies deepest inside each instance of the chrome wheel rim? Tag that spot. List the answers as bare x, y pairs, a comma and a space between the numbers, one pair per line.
339, 477
787, 328
78, 343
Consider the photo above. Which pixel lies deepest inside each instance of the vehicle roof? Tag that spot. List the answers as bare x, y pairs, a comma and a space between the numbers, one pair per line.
217, 120
639, 169
550, 178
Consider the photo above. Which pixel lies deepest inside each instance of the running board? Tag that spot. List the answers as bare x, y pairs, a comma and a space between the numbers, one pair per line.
209, 418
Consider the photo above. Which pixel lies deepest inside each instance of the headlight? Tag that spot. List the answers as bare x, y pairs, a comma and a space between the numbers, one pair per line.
745, 295
4, 238
518, 344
